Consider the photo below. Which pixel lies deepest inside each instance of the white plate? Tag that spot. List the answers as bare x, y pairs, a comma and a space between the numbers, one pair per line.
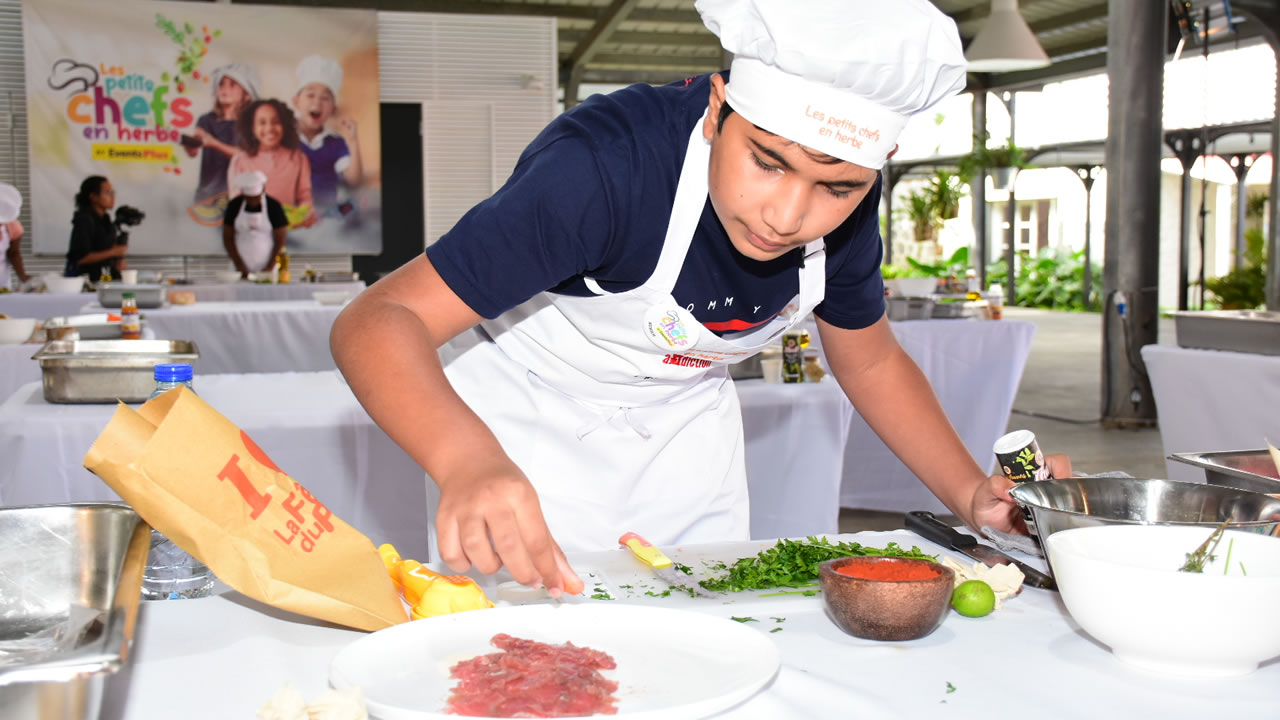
672, 664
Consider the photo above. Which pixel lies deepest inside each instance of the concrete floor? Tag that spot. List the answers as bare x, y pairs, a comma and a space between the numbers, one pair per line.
1059, 399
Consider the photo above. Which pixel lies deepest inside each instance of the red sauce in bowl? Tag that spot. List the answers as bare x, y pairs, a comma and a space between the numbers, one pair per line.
892, 571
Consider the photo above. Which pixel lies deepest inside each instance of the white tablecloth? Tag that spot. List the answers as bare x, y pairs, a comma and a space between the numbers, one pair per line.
43, 306
309, 423
260, 292
1212, 401
249, 337
974, 368
1028, 658
17, 368
795, 435
313, 427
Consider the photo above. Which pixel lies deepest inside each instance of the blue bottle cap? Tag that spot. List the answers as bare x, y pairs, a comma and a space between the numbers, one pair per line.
173, 372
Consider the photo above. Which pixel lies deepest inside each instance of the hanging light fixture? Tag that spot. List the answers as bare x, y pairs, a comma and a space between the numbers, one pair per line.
1005, 43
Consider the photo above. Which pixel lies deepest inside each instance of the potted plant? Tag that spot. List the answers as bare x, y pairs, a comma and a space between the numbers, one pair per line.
945, 190
923, 216
1002, 161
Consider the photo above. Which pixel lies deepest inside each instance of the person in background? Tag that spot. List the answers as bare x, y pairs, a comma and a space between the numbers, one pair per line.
269, 138
253, 230
95, 248
331, 154
235, 85
558, 361
10, 234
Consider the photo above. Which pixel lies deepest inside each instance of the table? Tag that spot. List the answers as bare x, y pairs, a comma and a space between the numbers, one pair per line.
794, 435
17, 368
974, 368
242, 652
248, 337
314, 428
1212, 400
309, 423
262, 292
43, 306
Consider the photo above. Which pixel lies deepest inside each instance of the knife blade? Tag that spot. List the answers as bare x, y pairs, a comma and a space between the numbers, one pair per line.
924, 524
661, 565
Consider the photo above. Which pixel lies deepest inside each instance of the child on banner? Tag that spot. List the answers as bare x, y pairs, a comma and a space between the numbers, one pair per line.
331, 154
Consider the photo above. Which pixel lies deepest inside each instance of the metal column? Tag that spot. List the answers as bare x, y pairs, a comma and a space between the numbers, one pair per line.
1240, 166
1011, 216
1135, 64
1087, 175
1267, 13
978, 191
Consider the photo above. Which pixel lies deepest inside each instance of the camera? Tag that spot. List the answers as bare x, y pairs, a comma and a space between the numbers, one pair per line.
127, 216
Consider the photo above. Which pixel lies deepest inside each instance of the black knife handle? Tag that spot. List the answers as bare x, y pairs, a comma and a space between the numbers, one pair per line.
924, 524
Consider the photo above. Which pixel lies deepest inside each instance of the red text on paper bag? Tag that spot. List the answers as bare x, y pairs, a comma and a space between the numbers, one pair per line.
296, 504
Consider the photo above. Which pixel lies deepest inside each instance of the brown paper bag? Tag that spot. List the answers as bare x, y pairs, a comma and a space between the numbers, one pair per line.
196, 477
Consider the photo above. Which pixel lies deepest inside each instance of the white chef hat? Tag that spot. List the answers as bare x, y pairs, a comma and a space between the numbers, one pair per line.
252, 183
839, 76
318, 69
10, 203
243, 74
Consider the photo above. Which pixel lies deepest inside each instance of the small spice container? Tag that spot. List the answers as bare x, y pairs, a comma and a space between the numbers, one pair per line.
886, 598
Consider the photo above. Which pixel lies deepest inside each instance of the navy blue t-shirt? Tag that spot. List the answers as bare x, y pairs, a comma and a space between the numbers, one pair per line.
591, 197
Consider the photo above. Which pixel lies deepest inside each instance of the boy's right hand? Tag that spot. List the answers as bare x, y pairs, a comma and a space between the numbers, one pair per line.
490, 518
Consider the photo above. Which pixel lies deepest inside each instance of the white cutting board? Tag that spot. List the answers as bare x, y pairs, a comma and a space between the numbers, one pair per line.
618, 574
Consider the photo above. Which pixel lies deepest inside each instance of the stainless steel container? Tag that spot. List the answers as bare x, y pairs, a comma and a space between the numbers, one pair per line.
104, 371
909, 308
70, 581
955, 310
1245, 469
1251, 331
95, 326
110, 295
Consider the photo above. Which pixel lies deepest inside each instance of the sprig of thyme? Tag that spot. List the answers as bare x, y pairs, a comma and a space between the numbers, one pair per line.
1197, 559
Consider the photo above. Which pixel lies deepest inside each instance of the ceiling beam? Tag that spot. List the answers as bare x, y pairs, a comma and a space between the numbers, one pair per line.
693, 65
604, 27
478, 7
622, 37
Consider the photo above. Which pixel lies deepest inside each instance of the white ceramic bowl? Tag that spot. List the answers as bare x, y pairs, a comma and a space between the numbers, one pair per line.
1121, 583
63, 285
331, 297
16, 330
227, 276
912, 287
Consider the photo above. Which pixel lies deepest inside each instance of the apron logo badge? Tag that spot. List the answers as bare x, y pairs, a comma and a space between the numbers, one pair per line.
669, 328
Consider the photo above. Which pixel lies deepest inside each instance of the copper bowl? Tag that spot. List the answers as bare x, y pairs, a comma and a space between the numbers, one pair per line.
886, 609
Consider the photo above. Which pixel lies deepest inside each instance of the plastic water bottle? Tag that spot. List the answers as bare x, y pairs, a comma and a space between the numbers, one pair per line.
172, 574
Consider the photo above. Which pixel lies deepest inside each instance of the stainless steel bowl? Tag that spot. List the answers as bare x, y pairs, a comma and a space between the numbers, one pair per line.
1086, 502
70, 579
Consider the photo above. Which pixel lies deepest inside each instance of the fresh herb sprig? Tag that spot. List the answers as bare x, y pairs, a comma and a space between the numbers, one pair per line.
1196, 559
794, 564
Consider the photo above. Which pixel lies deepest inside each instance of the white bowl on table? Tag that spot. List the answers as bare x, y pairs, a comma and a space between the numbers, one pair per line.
331, 297
912, 287
58, 285
1121, 583
227, 276
14, 331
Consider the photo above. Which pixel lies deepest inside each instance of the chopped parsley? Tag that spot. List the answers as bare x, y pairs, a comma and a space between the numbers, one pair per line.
794, 564
777, 629
950, 688
747, 619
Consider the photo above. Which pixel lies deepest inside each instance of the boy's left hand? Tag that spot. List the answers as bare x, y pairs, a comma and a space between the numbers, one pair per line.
347, 126
992, 506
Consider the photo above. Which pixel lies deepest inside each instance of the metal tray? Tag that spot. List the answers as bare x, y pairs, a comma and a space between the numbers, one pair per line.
110, 295
1244, 469
104, 371
953, 310
95, 326
1251, 331
909, 308
70, 579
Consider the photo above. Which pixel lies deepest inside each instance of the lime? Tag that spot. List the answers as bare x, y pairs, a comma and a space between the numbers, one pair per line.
973, 598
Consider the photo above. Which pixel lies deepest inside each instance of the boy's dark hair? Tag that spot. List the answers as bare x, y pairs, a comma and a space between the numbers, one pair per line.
288, 124
725, 112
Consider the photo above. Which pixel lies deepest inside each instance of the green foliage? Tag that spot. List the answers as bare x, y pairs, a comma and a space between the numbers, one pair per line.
955, 266
924, 219
984, 157
1053, 279
944, 191
1245, 287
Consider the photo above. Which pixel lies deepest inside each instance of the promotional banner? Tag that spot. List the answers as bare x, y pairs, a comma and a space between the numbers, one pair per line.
180, 105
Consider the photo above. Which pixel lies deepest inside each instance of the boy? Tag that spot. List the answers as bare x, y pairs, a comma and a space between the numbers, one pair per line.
646, 240
319, 80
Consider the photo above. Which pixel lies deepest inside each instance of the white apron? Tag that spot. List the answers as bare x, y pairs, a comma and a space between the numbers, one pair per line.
4, 255
619, 407
253, 237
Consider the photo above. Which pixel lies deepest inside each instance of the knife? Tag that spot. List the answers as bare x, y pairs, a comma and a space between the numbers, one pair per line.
660, 564
924, 524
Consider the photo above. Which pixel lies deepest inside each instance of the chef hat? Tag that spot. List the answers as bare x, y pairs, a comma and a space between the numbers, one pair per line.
10, 203
839, 76
317, 69
243, 74
251, 183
